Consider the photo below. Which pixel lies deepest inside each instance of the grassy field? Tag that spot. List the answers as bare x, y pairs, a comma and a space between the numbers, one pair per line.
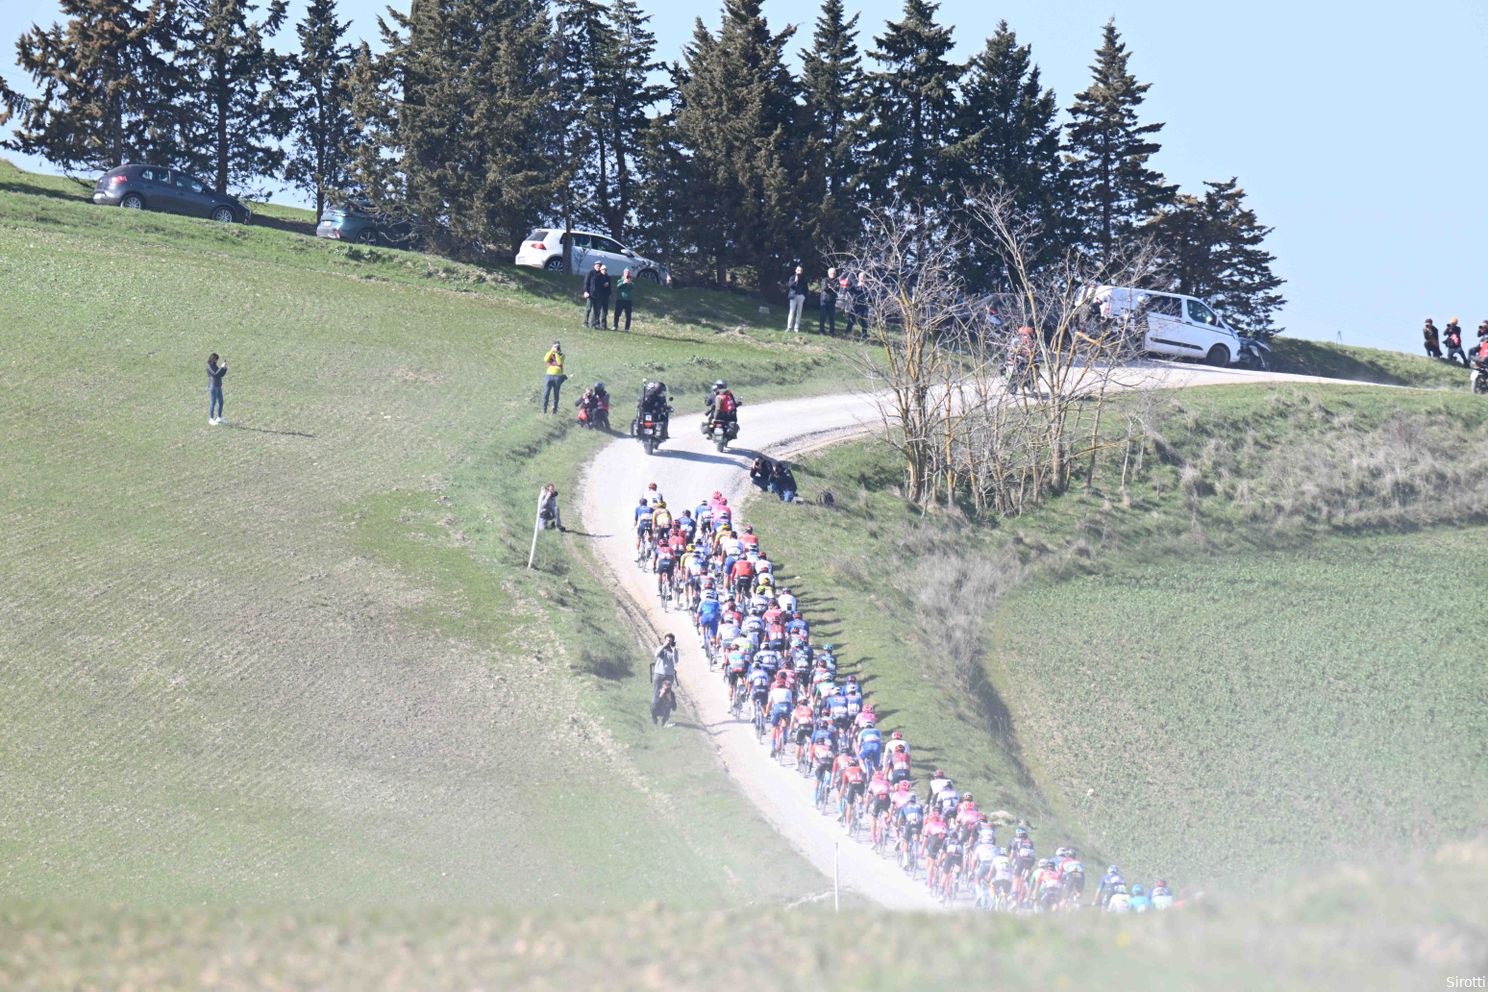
1257, 656
295, 660
1341, 928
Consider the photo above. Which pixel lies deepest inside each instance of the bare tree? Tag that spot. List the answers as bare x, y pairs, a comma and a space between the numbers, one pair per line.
997, 400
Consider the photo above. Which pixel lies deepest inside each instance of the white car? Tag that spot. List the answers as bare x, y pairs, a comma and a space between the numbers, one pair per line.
543, 249
1178, 326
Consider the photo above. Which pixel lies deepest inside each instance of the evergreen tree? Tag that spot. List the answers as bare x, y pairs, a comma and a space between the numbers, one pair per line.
736, 122
475, 117
234, 96
834, 87
1114, 192
322, 113
1213, 249
913, 109
102, 73
374, 152
1007, 138
584, 56
631, 97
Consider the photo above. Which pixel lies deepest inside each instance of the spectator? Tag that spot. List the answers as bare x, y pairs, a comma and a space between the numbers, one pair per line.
1453, 336
624, 290
761, 472
857, 305
664, 665
605, 284
1433, 341
215, 374
826, 315
553, 362
591, 295
783, 482
547, 510
795, 293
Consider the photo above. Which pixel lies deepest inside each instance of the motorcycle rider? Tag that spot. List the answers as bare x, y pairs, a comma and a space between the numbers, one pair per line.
723, 407
656, 404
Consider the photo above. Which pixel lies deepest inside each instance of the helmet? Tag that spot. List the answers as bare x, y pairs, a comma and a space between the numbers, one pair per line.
867, 724
1137, 889
1045, 863
720, 384
599, 385
652, 486
1159, 884
897, 735
796, 615
1021, 832
1072, 852
965, 796
1113, 870
938, 774
692, 547
660, 504
749, 528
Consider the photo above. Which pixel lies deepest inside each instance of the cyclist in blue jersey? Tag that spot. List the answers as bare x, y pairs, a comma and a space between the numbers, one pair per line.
642, 522
870, 747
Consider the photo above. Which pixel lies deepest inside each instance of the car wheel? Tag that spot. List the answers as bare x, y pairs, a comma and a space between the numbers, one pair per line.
368, 236
223, 215
651, 276
1218, 356
132, 201
554, 264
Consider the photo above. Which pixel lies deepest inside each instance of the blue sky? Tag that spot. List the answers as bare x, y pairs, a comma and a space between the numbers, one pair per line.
1358, 132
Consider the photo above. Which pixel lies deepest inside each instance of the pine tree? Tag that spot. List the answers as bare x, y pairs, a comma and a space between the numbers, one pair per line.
632, 95
322, 113
1213, 248
913, 109
101, 72
834, 88
736, 121
475, 117
584, 57
374, 151
234, 93
1114, 192
1007, 139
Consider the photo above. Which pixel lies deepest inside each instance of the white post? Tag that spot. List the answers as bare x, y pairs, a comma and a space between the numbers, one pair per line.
836, 877
536, 527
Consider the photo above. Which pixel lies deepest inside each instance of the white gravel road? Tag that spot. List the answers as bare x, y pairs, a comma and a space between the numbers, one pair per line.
687, 468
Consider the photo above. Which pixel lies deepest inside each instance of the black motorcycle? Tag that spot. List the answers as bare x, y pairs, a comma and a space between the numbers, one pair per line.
653, 414
721, 432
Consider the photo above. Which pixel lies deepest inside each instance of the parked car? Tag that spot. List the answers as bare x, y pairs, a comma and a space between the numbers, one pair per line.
357, 221
154, 187
543, 249
1178, 326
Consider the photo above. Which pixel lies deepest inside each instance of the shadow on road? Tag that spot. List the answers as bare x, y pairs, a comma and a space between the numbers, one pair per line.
266, 430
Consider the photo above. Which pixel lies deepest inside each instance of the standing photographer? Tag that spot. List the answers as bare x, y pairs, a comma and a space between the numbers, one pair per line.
215, 375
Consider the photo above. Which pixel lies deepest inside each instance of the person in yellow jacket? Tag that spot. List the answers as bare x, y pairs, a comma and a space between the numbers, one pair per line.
554, 362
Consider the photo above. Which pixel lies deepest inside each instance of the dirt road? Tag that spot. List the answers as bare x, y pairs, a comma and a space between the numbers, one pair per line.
686, 469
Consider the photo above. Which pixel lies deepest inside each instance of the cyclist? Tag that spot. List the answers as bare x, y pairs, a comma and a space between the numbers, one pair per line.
642, 524
951, 860
1140, 903
802, 724
1119, 901
1002, 877
666, 563
741, 577
968, 818
736, 665
823, 754
1072, 871
879, 802
836, 705
749, 539
870, 746
661, 517
1162, 896
852, 779
938, 781
1047, 885
759, 684
911, 818
935, 835
652, 495
687, 525
1108, 884
787, 600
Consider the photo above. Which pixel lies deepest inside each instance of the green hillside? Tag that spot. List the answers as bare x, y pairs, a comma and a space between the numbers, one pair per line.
1259, 656
295, 660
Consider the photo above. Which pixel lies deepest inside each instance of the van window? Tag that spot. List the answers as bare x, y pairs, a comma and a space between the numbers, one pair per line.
1200, 314
1165, 305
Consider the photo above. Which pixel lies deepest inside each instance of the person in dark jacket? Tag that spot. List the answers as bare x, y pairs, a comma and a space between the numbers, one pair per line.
215, 374
783, 482
591, 297
605, 285
826, 314
795, 296
761, 472
1452, 334
857, 304
1433, 339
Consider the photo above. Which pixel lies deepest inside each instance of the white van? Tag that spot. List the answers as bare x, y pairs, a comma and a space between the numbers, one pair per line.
1178, 326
